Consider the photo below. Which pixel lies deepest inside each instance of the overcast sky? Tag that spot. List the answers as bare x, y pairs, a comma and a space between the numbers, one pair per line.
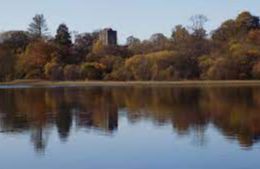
140, 18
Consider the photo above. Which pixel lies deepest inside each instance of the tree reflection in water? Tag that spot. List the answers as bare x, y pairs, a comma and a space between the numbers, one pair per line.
233, 111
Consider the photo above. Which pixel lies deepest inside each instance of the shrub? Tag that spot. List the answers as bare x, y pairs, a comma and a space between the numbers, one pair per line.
92, 71
72, 72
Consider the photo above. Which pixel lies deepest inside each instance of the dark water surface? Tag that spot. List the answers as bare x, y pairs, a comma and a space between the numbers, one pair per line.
130, 128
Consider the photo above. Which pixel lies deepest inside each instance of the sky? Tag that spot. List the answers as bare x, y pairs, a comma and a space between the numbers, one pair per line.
140, 18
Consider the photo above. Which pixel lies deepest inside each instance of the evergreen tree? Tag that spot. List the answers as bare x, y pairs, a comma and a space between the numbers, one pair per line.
64, 45
63, 37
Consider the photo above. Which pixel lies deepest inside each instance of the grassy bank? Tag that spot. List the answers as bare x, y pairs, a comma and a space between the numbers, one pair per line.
42, 83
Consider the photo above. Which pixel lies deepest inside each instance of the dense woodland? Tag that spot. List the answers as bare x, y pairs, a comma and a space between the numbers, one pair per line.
232, 51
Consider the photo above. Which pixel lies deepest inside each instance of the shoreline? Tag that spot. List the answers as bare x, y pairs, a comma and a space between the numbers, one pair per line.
188, 83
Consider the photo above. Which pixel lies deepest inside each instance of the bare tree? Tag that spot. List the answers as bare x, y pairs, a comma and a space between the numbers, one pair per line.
198, 22
38, 28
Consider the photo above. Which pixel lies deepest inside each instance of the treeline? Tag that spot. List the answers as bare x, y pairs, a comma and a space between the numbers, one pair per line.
230, 52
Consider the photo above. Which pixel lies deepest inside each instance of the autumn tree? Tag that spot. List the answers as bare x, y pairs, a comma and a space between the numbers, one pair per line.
7, 64
159, 42
198, 22
254, 37
131, 41
31, 63
92, 71
236, 29
84, 45
153, 66
190, 45
229, 52
134, 45
256, 71
16, 41
53, 70
246, 21
180, 38
72, 72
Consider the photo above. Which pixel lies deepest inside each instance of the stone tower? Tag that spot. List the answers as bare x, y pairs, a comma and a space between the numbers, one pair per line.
108, 37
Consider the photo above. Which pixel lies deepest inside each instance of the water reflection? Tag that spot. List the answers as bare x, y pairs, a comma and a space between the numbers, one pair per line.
233, 111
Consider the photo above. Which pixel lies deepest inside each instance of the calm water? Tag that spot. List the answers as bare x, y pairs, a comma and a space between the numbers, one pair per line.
130, 128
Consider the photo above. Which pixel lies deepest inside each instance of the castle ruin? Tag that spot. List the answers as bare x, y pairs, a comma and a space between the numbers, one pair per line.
108, 37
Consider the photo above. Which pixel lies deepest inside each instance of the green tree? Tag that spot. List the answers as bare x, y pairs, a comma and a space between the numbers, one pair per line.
64, 45
63, 37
